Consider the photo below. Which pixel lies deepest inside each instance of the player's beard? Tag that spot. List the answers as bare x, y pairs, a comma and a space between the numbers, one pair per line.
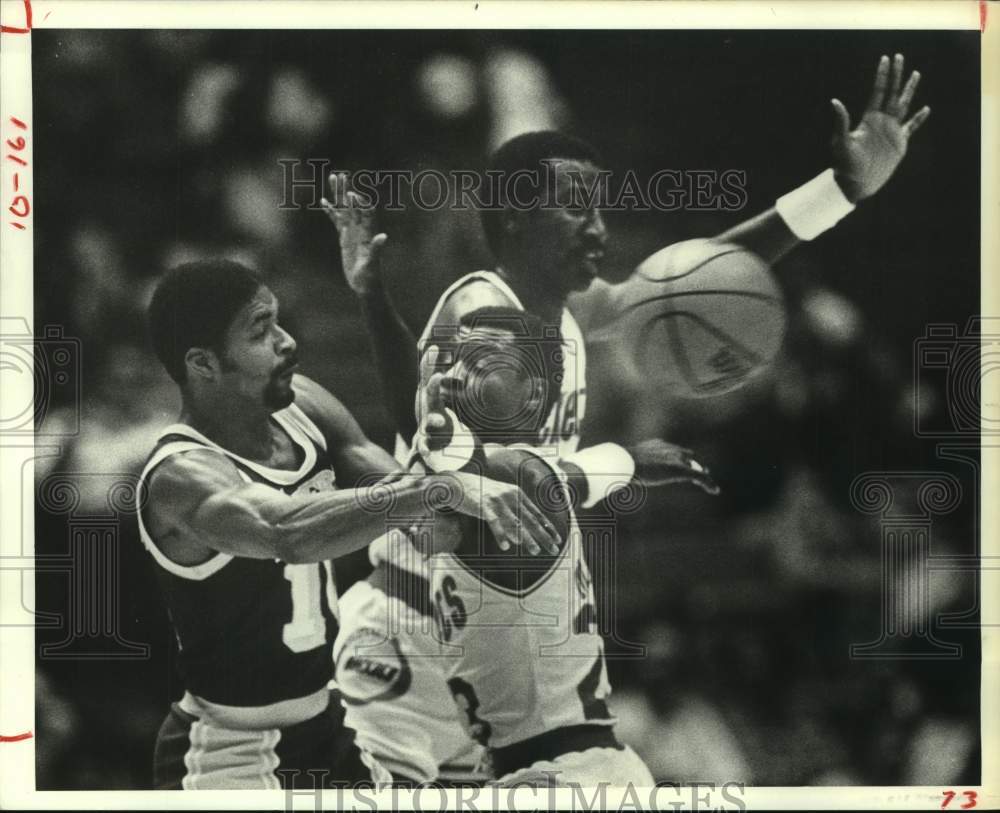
278, 393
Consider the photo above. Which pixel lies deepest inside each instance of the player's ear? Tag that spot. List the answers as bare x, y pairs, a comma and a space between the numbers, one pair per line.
201, 363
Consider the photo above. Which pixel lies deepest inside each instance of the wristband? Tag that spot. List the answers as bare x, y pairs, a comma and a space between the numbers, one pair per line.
814, 207
606, 467
394, 547
458, 451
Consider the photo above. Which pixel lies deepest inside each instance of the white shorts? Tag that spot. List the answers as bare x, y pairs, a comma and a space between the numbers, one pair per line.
391, 677
616, 767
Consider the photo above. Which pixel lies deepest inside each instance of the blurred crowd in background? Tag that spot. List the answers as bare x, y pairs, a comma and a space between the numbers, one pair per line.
154, 147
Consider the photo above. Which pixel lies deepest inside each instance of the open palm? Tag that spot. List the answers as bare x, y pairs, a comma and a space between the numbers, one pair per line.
866, 157
360, 247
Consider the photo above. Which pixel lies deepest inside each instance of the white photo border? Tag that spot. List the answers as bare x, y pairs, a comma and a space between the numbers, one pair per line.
17, 643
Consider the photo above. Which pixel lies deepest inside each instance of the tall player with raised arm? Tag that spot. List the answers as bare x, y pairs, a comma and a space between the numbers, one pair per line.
546, 252
249, 500
553, 245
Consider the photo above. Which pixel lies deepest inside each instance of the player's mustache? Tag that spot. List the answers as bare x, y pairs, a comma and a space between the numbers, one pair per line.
590, 244
293, 361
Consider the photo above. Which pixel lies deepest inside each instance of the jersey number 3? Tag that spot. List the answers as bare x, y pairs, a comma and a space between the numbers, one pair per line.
307, 629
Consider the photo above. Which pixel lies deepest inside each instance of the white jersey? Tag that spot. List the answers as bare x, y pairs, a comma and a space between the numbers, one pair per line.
562, 429
390, 674
522, 662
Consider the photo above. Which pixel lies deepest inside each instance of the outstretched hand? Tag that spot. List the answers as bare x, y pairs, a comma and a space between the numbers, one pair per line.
360, 247
866, 157
659, 463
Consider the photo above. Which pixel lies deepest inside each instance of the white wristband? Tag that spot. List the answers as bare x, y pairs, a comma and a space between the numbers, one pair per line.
814, 207
457, 453
395, 548
607, 467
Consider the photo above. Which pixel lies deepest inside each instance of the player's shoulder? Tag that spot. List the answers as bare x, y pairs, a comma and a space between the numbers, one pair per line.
185, 479
188, 467
476, 292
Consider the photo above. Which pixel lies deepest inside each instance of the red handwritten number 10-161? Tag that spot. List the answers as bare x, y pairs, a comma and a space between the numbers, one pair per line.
20, 206
970, 799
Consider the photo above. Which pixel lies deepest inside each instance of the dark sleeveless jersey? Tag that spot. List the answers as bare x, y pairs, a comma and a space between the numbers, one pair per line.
252, 632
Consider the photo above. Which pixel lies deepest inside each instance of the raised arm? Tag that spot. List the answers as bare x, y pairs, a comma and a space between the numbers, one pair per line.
392, 342
863, 161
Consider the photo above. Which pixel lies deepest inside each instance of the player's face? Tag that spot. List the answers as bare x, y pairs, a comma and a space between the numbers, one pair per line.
259, 357
567, 236
492, 386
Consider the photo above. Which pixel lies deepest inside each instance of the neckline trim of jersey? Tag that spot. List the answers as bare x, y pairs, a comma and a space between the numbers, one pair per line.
279, 476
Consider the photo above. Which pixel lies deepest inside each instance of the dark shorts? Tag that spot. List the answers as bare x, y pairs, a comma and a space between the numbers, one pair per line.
192, 754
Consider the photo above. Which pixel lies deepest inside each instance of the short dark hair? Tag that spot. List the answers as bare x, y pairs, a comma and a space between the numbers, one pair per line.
537, 343
527, 152
193, 306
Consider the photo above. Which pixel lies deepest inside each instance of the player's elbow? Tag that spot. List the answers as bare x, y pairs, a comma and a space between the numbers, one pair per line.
278, 540
264, 531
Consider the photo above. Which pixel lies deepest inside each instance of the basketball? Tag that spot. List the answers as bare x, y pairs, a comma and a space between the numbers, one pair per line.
700, 317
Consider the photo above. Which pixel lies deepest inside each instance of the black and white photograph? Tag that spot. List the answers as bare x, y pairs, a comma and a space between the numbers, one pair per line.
403, 405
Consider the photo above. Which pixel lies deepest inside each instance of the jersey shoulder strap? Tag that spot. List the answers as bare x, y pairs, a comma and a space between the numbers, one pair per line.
173, 442
294, 415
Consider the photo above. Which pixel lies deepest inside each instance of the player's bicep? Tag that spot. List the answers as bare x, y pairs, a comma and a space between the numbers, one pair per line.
200, 495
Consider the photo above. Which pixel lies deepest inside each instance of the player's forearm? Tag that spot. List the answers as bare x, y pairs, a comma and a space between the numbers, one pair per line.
307, 528
395, 351
766, 235
802, 214
313, 529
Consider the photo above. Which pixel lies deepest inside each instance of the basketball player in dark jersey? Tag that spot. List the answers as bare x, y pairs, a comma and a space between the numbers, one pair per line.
244, 503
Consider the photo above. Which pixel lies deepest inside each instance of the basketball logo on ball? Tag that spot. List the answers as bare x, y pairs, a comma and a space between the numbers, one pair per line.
701, 317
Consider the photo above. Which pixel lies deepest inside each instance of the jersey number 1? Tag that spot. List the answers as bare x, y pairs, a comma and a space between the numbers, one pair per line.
307, 629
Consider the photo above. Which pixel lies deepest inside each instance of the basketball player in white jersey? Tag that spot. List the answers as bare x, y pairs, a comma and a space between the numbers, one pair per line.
518, 637
243, 504
396, 679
